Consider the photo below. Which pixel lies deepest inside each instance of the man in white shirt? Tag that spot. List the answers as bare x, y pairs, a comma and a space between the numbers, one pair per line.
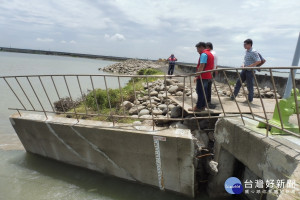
209, 46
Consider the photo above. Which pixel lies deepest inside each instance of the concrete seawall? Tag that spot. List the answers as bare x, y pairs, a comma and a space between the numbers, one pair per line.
164, 159
59, 53
246, 153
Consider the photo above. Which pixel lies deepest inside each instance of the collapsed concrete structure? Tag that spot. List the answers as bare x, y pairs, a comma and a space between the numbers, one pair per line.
247, 153
165, 158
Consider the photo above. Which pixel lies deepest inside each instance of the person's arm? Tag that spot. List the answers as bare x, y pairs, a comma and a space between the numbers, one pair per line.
202, 66
243, 65
262, 62
203, 61
254, 64
216, 72
256, 57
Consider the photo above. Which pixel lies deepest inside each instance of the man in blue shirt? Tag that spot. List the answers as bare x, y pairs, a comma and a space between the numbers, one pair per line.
251, 59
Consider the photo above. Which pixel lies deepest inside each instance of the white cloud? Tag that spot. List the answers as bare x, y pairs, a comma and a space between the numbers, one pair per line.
115, 37
70, 42
44, 39
189, 49
69, 13
154, 28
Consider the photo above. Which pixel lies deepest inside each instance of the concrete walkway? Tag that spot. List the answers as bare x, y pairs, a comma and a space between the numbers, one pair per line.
231, 107
228, 106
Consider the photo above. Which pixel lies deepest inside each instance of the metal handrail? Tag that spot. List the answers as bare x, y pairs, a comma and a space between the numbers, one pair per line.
144, 76
187, 77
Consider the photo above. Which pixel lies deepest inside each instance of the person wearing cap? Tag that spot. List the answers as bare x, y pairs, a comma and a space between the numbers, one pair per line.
205, 63
172, 59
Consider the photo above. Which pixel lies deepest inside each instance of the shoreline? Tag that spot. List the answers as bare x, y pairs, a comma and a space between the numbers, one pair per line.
181, 65
59, 53
81, 55
186, 68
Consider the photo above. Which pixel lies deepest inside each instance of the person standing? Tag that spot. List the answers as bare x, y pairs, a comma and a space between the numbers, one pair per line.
172, 59
205, 63
251, 59
210, 47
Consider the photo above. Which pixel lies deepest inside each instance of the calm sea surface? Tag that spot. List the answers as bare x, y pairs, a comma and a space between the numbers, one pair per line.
24, 176
17, 64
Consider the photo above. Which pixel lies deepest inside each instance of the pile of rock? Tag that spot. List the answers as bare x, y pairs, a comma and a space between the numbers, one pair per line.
154, 100
131, 66
265, 92
65, 104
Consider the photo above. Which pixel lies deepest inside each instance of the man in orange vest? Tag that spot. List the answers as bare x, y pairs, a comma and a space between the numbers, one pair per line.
171, 61
205, 63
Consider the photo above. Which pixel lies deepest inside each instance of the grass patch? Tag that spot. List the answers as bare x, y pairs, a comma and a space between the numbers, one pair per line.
97, 101
232, 82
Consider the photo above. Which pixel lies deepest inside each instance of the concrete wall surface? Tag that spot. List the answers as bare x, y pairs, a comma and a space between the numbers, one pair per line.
161, 158
245, 151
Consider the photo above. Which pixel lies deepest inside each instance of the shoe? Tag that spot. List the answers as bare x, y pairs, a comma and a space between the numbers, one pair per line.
246, 101
211, 106
195, 109
191, 109
232, 97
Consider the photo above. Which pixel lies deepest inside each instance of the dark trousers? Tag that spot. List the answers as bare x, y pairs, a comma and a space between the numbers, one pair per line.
246, 75
208, 96
201, 98
171, 69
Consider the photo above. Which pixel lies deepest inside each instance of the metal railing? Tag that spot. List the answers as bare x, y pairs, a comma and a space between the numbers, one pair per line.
33, 91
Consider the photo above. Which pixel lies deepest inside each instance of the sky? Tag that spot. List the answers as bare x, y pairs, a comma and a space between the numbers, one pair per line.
153, 29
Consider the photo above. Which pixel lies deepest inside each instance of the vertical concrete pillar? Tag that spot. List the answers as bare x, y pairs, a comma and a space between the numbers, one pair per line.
226, 169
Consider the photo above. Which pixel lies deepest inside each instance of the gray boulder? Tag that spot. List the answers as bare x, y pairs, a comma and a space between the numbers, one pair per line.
169, 82
153, 93
178, 125
179, 93
171, 106
269, 94
164, 111
146, 117
135, 109
155, 99
176, 112
144, 112
173, 89
157, 112
212, 167
162, 106
127, 105
180, 86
